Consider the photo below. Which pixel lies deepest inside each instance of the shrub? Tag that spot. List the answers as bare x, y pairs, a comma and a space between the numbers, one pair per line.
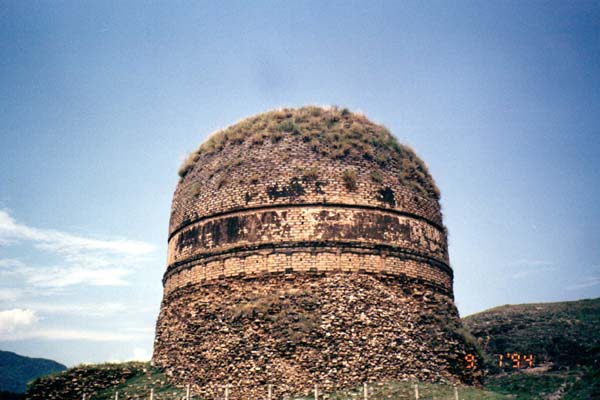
376, 176
194, 189
288, 126
311, 174
350, 179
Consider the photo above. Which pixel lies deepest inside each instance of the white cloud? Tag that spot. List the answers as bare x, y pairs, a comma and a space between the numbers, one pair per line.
9, 267
66, 243
9, 263
146, 330
58, 277
9, 294
22, 324
140, 354
87, 310
15, 319
67, 335
532, 262
587, 283
530, 272
83, 260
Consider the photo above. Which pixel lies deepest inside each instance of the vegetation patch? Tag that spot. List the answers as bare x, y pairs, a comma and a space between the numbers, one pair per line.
527, 386
17, 370
376, 176
330, 132
564, 334
310, 175
101, 381
350, 180
288, 126
406, 390
563, 339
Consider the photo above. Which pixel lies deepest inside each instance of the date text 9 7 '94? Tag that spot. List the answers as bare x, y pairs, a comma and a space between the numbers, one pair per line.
508, 360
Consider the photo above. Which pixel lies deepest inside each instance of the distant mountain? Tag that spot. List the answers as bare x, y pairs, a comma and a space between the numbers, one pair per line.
16, 370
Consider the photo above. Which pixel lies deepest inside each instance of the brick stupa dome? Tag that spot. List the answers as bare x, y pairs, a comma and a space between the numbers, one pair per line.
307, 246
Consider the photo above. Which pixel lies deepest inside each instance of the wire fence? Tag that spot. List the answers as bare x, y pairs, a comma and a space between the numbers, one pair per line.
228, 392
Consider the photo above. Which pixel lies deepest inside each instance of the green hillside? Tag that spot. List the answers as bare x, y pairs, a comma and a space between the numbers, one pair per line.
100, 381
563, 339
564, 334
16, 371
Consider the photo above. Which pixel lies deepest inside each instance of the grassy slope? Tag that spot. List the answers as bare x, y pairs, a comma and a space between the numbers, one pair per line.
406, 390
140, 385
563, 336
146, 377
100, 381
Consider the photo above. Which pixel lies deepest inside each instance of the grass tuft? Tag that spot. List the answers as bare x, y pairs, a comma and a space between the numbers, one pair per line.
350, 179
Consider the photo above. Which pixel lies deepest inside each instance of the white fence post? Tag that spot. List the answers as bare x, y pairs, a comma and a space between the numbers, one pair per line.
269, 391
316, 393
366, 391
227, 392
416, 391
151, 394
455, 392
187, 392
116, 395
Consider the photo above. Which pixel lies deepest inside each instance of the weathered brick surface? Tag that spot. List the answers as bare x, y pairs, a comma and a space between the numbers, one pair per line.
287, 172
252, 220
349, 259
306, 224
295, 330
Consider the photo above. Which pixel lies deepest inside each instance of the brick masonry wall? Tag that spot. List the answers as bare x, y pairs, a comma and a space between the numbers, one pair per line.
252, 226
294, 330
243, 176
256, 199
308, 238
306, 224
308, 260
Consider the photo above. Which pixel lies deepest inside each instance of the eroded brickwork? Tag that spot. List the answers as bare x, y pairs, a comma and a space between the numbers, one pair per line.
295, 330
285, 195
258, 218
288, 172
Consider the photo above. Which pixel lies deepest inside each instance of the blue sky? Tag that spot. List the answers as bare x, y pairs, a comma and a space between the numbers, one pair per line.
101, 101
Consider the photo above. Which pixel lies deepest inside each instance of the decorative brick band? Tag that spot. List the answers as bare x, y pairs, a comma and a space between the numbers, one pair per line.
281, 226
190, 222
253, 263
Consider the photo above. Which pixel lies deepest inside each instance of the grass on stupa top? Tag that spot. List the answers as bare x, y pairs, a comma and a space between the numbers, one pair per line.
331, 132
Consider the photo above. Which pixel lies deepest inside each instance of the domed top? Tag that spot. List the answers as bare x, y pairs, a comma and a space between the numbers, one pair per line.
337, 133
305, 155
